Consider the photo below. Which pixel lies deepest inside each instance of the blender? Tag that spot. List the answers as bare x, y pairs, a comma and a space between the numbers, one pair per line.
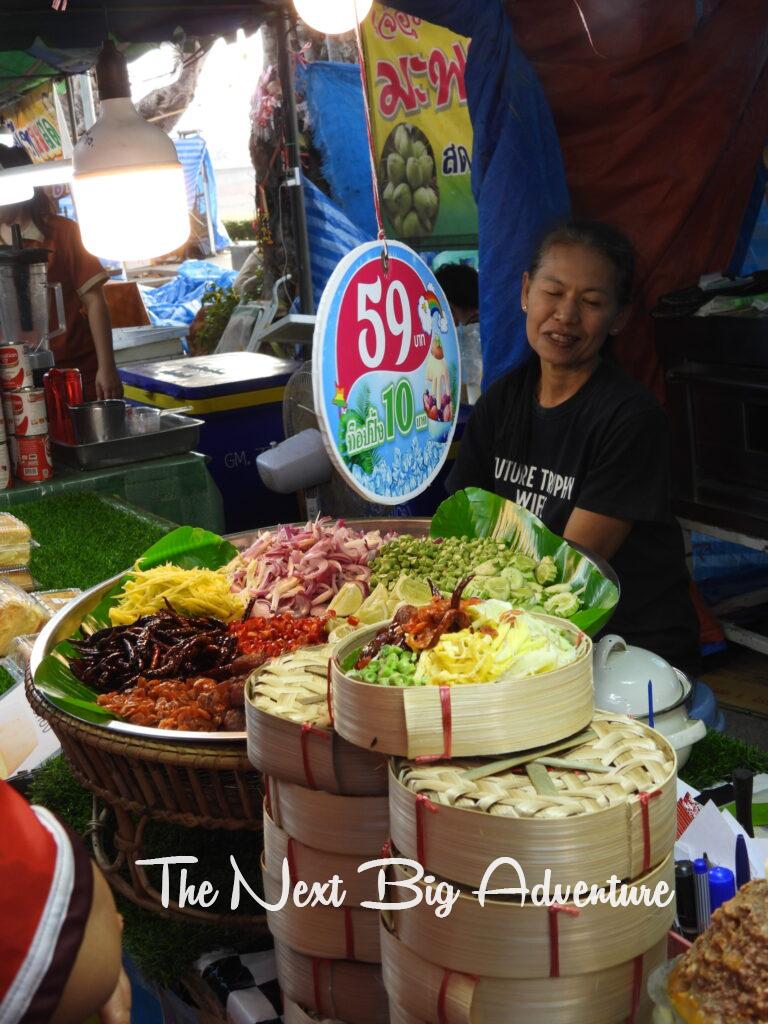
24, 309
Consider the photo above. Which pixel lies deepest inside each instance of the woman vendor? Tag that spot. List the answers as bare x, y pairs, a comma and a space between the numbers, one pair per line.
583, 446
87, 341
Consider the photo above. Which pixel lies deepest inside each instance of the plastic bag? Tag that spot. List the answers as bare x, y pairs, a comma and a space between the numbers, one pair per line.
471, 359
238, 331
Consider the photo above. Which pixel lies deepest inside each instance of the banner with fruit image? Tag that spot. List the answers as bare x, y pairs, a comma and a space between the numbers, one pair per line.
385, 373
421, 127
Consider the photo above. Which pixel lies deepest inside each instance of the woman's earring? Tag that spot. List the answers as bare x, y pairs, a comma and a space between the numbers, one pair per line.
525, 309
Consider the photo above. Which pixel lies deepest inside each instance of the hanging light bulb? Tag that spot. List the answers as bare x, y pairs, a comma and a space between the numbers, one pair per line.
332, 17
128, 184
14, 190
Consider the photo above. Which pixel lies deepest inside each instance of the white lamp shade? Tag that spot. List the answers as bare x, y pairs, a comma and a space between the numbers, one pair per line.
128, 187
332, 17
14, 190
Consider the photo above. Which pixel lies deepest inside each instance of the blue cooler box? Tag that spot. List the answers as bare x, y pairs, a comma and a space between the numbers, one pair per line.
239, 397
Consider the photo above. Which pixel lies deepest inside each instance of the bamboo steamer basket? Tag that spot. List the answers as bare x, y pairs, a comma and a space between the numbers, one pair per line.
504, 939
339, 933
310, 865
343, 989
464, 720
435, 995
295, 1014
327, 821
308, 751
619, 822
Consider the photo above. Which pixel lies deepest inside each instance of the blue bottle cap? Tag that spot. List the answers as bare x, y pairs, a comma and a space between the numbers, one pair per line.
722, 886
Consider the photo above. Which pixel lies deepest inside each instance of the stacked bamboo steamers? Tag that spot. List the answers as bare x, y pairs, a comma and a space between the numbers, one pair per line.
519, 769
325, 812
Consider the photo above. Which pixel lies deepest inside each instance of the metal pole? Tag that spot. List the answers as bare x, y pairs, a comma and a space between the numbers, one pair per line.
86, 95
68, 86
293, 171
208, 218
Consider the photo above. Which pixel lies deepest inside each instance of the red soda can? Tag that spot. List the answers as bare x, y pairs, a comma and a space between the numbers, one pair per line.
6, 470
31, 458
29, 416
15, 368
63, 387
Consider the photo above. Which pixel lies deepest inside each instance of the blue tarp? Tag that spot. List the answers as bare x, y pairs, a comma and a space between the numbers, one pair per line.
194, 157
331, 236
334, 98
518, 177
179, 301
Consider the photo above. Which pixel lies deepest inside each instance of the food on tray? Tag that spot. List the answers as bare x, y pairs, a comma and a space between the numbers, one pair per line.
18, 740
15, 541
300, 569
19, 613
723, 977
294, 686
55, 600
453, 641
199, 704
21, 578
165, 645
278, 634
608, 764
499, 571
192, 591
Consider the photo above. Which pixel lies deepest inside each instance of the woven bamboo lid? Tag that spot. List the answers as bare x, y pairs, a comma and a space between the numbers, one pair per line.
617, 817
289, 731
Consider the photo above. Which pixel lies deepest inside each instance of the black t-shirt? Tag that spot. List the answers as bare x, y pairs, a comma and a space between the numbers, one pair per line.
604, 450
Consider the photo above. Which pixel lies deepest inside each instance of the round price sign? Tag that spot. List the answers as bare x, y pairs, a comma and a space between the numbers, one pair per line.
386, 372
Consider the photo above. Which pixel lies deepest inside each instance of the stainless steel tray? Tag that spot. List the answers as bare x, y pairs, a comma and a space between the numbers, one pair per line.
68, 620
177, 434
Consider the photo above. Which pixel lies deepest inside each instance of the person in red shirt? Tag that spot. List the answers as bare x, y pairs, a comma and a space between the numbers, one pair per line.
60, 944
87, 341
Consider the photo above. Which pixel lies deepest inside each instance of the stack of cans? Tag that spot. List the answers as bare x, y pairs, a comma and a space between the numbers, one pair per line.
25, 448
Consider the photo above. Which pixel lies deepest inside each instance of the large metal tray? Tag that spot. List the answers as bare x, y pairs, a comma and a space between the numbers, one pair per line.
68, 620
177, 434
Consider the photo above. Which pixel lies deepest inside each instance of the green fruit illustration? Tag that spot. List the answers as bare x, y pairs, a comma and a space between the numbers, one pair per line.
403, 141
395, 168
418, 148
427, 165
413, 173
412, 225
389, 200
397, 224
403, 199
425, 203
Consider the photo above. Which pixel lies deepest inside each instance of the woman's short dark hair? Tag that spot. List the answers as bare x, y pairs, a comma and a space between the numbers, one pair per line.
617, 248
40, 207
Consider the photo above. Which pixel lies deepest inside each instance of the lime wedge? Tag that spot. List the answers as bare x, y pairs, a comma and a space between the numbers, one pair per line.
347, 601
408, 590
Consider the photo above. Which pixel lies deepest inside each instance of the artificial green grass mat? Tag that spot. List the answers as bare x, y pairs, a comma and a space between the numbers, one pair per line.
714, 758
86, 538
